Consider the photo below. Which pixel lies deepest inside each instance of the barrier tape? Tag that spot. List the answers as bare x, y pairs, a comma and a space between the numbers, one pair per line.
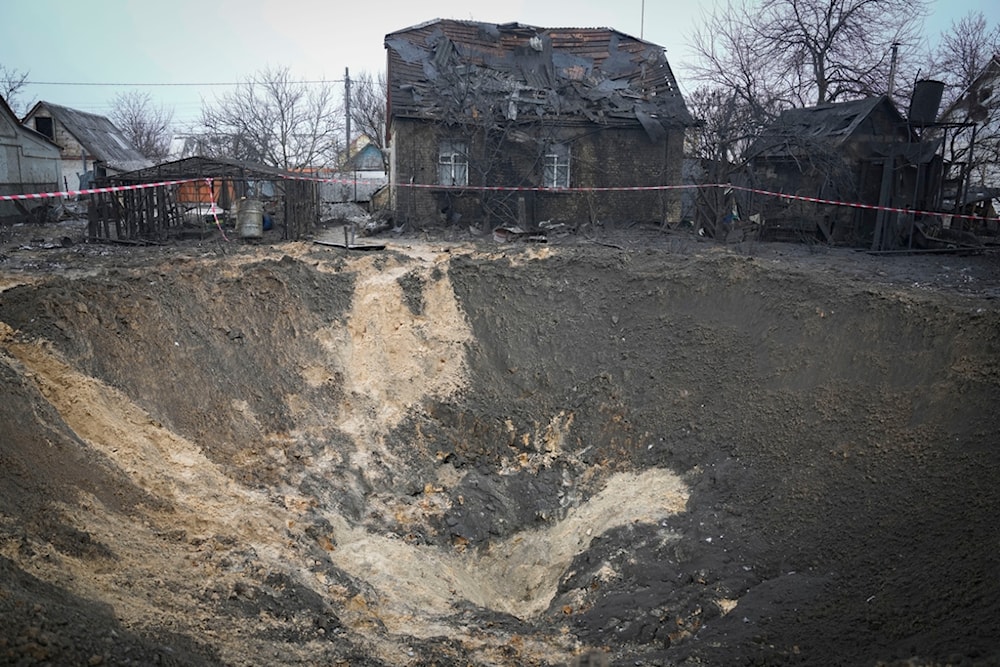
724, 186
871, 207
212, 207
502, 188
76, 193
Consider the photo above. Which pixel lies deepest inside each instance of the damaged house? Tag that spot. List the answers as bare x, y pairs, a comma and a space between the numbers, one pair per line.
860, 152
970, 127
512, 124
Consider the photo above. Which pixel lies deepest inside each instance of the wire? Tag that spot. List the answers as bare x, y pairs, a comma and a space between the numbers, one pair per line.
212, 83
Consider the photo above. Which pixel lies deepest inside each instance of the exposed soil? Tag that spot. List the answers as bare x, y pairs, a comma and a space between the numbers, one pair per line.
644, 450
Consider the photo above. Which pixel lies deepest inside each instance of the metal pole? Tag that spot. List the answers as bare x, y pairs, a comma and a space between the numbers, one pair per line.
642, 21
892, 69
347, 110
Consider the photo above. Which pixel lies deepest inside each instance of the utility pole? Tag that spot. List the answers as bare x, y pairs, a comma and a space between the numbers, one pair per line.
347, 111
642, 21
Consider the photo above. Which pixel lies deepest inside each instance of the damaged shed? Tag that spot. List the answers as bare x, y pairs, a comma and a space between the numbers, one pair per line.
861, 152
231, 187
557, 121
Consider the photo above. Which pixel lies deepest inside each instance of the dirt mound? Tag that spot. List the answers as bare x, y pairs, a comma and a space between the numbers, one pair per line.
453, 454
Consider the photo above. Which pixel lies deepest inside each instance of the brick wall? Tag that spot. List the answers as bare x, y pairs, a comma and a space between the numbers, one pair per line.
599, 157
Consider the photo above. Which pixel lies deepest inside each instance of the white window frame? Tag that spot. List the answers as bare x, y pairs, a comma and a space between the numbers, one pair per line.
453, 163
556, 166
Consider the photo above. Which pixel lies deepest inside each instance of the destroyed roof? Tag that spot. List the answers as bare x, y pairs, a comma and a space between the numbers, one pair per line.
974, 102
102, 140
598, 75
204, 167
832, 124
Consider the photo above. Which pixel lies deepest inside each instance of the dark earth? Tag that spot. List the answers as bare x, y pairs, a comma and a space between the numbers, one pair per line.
624, 447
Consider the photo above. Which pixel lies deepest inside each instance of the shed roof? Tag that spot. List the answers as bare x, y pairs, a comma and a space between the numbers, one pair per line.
832, 123
592, 74
204, 167
98, 135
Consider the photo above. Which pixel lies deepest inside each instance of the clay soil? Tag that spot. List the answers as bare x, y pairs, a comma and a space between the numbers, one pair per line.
627, 448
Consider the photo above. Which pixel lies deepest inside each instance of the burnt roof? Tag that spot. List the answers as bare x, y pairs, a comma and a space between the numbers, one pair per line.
597, 75
99, 136
831, 124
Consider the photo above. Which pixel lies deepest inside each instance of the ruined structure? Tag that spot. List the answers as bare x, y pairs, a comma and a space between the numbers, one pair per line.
861, 151
561, 113
158, 213
972, 148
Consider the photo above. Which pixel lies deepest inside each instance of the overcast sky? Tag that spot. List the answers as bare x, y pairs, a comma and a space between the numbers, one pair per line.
61, 42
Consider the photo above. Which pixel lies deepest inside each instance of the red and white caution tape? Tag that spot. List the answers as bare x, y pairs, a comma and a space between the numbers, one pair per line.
91, 191
502, 188
214, 209
871, 207
724, 186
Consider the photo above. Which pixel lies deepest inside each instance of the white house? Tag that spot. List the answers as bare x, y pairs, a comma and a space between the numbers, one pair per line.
29, 162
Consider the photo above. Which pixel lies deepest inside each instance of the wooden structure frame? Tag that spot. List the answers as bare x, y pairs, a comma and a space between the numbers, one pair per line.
155, 214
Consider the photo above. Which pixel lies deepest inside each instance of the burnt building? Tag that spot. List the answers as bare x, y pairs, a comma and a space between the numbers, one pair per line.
862, 154
513, 124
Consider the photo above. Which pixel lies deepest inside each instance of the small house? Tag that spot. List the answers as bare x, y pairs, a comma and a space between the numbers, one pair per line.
92, 148
29, 163
496, 124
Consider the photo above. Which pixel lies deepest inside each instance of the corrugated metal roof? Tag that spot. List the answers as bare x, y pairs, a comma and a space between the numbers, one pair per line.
99, 136
598, 74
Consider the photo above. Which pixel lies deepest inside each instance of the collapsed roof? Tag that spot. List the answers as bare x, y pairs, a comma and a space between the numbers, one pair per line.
198, 167
461, 71
831, 123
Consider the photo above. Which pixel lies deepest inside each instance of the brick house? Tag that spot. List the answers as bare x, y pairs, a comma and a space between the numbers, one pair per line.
543, 114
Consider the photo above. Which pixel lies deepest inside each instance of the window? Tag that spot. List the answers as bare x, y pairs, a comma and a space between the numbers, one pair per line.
556, 167
44, 126
453, 163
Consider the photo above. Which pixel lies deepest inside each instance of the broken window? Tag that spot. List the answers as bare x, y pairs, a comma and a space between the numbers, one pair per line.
453, 163
556, 167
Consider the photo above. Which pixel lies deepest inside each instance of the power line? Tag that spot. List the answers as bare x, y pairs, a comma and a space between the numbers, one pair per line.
211, 83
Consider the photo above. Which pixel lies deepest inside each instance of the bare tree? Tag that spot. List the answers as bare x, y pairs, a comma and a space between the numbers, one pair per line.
726, 125
274, 119
12, 82
781, 53
368, 107
963, 52
146, 126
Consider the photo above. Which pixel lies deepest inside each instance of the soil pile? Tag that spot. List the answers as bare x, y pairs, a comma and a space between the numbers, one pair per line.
448, 453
